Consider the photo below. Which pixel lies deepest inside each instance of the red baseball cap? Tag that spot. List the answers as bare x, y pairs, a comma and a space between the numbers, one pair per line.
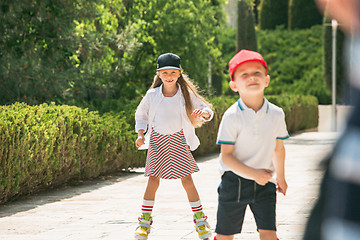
242, 57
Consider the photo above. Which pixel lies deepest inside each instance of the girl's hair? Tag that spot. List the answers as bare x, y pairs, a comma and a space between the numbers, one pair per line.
186, 85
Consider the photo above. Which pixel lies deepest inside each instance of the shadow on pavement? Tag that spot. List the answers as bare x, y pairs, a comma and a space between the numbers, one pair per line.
69, 190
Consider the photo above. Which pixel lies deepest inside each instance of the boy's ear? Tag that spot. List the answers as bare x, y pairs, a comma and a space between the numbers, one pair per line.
267, 80
233, 86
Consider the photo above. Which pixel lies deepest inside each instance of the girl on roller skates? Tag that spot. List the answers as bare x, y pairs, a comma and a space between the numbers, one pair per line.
169, 113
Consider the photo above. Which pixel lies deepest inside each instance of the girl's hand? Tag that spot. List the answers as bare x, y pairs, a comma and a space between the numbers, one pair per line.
197, 113
141, 138
140, 141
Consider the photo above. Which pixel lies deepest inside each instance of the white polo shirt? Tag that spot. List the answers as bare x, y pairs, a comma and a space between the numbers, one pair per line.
253, 133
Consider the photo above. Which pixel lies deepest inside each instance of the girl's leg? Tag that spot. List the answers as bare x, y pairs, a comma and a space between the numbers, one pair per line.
145, 220
152, 186
192, 194
149, 195
190, 188
202, 226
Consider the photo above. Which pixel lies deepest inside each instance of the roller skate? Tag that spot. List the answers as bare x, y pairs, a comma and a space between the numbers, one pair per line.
143, 230
202, 226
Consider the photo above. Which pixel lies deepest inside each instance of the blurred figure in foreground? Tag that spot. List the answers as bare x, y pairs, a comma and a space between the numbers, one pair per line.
336, 215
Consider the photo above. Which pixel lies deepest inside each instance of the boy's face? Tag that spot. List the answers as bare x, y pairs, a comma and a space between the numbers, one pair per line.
250, 79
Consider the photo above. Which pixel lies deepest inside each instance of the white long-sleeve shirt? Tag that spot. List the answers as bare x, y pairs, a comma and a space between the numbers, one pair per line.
146, 115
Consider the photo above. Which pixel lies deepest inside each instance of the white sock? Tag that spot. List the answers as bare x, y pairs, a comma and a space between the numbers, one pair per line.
196, 206
147, 206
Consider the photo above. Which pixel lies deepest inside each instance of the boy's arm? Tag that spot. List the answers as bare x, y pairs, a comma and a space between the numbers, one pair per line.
261, 176
279, 162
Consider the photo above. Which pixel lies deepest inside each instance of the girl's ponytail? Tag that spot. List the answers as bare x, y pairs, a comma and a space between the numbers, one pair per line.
187, 85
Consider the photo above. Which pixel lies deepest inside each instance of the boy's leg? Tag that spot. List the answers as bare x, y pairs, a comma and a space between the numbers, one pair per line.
264, 210
224, 237
267, 235
233, 199
229, 220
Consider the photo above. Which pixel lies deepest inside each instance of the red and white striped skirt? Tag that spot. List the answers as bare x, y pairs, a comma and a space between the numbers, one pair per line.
169, 156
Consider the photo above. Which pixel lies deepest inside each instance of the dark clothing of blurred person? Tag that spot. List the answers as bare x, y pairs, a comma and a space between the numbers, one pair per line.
336, 215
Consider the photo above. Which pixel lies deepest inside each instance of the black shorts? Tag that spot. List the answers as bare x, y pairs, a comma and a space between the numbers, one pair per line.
235, 193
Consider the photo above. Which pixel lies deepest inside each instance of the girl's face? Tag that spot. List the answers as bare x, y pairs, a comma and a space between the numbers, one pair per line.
169, 77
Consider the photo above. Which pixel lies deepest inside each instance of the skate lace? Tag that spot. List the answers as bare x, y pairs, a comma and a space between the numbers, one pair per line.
201, 223
141, 220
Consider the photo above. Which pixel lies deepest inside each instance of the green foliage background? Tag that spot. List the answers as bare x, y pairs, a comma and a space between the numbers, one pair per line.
295, 60
81, 51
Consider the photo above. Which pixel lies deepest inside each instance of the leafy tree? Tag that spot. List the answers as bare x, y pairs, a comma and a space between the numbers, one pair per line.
187, 28
36, 41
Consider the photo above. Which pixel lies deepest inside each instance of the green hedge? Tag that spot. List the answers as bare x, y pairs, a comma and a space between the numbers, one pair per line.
301, 112
48, 145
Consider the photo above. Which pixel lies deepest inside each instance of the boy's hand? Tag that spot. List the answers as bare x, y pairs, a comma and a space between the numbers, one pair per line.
141, 139
281, 186
262, 176
197, 113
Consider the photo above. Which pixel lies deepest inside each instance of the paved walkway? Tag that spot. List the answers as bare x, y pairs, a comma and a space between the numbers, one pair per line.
108, 208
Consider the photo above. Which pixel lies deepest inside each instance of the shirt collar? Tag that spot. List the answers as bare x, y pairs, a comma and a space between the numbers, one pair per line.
177, 93
264, 108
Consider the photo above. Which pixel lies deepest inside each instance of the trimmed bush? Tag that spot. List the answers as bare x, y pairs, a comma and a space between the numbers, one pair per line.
245, 34
273, 13
303, 14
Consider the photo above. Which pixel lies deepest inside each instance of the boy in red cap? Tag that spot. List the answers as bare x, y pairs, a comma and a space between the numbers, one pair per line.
251, 135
